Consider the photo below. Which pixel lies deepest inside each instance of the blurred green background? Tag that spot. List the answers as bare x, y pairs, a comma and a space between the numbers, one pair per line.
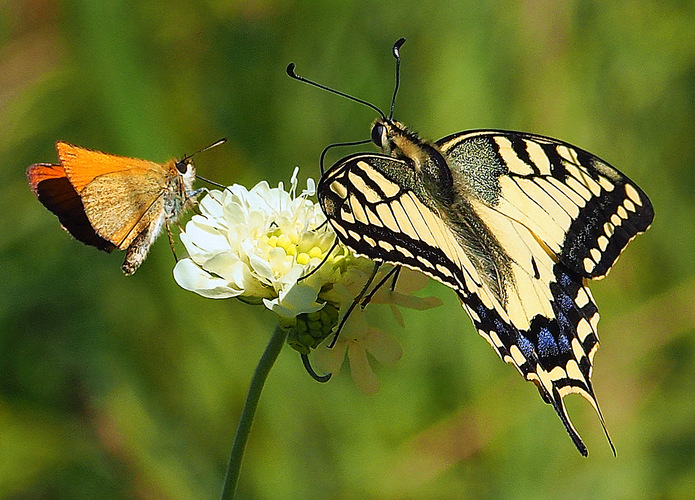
131, 387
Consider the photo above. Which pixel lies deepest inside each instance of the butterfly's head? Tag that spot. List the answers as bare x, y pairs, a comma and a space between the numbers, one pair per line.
393, 137
186, 171
385, 133
185, 166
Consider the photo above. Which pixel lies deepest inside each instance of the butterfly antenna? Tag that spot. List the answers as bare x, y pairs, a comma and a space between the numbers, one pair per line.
292, 74
396, 53
183, 161
213, 183
214, 144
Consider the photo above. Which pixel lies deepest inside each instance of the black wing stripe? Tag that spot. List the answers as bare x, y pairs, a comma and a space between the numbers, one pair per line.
588, 238
369, 188
445, 264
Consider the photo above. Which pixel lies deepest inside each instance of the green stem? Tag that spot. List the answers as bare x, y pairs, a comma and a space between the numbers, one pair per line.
244, 428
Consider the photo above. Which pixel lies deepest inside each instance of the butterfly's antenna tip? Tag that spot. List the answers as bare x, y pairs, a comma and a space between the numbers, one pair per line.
396, 46
396, 53
290, 70
213, 145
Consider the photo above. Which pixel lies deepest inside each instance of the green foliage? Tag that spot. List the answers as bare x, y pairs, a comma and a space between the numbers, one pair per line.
119, 387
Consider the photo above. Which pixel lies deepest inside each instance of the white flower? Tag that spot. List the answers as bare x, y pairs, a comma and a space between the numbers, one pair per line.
255, 244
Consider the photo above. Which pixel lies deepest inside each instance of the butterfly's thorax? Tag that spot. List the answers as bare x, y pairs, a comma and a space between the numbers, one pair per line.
423, 156
448, 193
176, 184
179, 187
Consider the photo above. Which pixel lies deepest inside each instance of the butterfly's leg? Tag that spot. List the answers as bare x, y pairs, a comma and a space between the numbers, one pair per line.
393, 272
356, 301
171, 237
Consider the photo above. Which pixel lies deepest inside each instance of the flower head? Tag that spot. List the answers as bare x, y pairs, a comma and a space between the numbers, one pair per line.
256, 244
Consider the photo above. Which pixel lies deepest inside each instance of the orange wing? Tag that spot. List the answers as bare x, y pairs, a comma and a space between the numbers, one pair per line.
82, 165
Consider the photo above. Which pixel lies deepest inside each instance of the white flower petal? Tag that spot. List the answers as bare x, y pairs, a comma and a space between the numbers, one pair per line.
211, 205
310, 187
283, 311
300, 298
224, 265
203, 240
190, 277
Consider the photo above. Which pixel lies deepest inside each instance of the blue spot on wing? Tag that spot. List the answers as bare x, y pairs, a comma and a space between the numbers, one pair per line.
500, 326
565, 302
526, 347
546, 343
564, 343
565, 324
564, 279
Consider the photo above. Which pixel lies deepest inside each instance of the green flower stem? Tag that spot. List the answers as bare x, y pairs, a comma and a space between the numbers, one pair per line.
244, 428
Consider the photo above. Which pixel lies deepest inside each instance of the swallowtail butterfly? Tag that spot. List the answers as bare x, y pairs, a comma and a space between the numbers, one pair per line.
515, 223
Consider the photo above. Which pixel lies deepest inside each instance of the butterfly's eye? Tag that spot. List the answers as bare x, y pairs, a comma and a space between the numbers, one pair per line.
182, 166
378, 134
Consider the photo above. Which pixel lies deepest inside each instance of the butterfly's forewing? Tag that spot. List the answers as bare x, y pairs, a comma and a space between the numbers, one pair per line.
517, 260
83, 165
583, 209
367, 200
117, 192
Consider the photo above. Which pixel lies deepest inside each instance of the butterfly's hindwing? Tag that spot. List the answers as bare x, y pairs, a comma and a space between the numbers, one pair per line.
554, 352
